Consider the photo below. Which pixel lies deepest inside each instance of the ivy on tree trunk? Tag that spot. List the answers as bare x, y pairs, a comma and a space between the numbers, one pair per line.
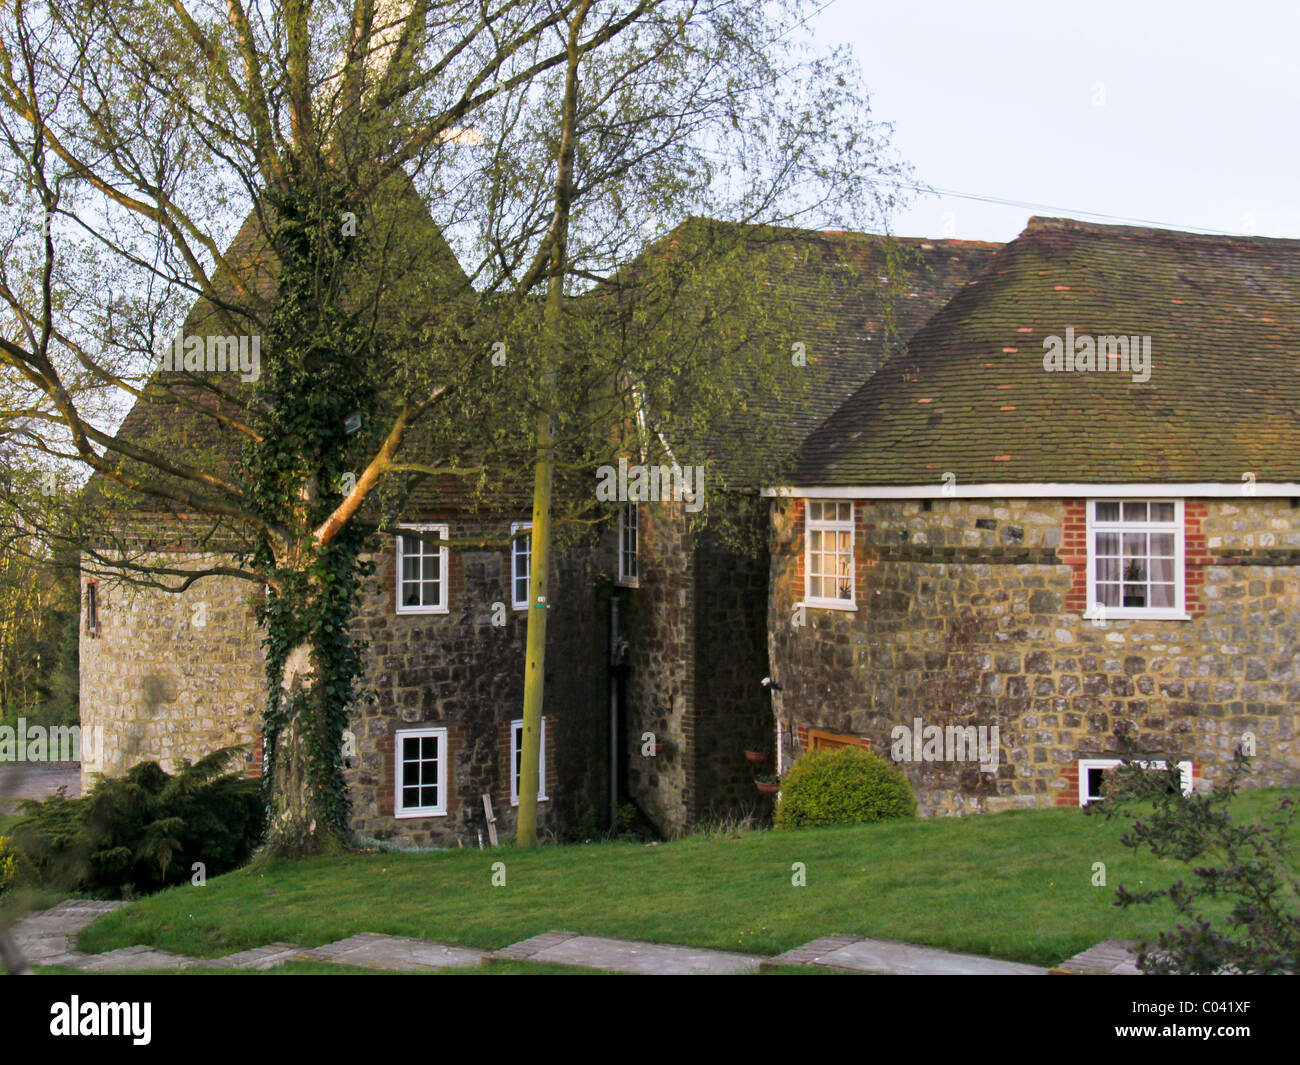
319, 366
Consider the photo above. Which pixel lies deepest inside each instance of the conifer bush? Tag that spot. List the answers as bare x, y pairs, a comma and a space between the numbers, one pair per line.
142, 832
847, 786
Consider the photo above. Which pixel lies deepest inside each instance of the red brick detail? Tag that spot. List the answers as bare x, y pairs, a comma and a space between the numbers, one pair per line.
1195, 557
1069, 795
1074, 553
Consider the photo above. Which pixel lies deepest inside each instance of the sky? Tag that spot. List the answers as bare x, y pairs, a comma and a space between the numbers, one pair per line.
1183, 115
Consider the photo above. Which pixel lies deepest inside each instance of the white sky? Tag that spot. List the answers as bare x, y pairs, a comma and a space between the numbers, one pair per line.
1197, 127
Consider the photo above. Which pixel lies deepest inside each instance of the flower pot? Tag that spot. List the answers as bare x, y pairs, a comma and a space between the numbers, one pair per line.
766, 788
757, 757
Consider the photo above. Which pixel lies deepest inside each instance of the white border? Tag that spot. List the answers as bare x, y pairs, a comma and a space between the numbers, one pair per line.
837, 526
625, 581
1085, 764
1178, 612
445, 606
518, 723
514, 558
424, 811
1042, 490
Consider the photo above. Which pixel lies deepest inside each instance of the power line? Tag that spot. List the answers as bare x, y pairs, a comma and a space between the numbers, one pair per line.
1068, 211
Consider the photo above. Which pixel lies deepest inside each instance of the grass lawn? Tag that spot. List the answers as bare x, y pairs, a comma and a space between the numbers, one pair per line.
1013, 885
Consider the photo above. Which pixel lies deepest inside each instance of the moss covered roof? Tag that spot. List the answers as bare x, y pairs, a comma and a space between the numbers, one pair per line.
971, 393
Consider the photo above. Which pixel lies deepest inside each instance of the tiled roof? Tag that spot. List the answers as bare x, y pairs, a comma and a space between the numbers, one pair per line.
969, 393
853, 297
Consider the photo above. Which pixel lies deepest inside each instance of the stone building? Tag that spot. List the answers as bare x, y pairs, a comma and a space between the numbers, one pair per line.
656, 627
1068, 507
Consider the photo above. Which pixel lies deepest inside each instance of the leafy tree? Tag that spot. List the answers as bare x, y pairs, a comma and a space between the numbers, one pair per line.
550, 136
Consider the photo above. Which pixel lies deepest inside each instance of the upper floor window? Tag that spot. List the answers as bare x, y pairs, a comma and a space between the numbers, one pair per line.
1135, 558
422, 571
828, 559
521, 565
627, 545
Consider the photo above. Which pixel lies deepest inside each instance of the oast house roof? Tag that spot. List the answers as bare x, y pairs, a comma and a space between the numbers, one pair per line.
849, 298
1002, 385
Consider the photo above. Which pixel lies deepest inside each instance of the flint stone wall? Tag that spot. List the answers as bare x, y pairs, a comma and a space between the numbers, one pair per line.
969, 613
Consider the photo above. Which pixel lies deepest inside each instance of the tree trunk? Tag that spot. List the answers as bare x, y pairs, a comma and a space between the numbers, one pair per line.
544, 471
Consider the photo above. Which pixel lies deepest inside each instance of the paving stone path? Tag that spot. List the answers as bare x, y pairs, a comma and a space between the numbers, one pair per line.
1116, 957
862, 955
49, 938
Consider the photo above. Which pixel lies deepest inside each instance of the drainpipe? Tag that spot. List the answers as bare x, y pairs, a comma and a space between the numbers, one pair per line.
613, 709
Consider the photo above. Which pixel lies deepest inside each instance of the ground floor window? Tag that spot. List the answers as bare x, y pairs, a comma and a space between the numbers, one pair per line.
517, 758
421, 757
1092, 776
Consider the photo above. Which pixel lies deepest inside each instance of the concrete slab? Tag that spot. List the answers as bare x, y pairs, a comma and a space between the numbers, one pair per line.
50, 936
132, 959
396, 953
259, 958
632, 956
1110, 957
862, 955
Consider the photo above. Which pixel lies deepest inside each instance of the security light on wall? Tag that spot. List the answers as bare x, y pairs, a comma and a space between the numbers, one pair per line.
353, 423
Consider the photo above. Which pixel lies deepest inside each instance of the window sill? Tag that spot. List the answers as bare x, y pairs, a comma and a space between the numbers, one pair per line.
1130, 614
423, 610
406, 815
540, 798
829, 604
623, 583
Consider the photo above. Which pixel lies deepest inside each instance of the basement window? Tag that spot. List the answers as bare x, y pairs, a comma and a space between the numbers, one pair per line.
421, 757
628, 531
820, 740
828, 555
521, 565
1135, 558
92, 608
1092, 776
517, 761
422, 571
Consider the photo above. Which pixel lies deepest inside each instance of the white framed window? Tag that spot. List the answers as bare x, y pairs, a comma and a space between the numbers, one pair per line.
1092, 776
421, 779
1135, 558
628, 524
517, 757
828, 554
521, 565
422, 571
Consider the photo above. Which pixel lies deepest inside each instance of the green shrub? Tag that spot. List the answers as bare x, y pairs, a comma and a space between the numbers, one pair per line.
15, 867
847, 786
141, 832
